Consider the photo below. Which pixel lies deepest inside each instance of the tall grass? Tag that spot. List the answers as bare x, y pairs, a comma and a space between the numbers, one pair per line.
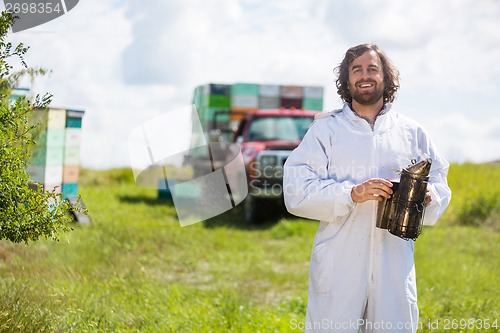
134, 269
23, 309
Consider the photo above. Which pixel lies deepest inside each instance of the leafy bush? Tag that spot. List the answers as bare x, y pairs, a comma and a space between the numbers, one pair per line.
25, 214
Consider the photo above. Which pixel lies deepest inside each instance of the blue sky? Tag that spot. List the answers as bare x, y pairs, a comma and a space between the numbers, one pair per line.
125, 62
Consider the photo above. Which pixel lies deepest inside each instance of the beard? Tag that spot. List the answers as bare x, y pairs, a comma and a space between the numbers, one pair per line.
367, 97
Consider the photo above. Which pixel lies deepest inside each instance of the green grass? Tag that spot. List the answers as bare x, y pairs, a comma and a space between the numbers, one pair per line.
134, 269
458, 274
476, 195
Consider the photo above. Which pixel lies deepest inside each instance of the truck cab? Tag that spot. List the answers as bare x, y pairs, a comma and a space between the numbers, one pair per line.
266, 138
266, 121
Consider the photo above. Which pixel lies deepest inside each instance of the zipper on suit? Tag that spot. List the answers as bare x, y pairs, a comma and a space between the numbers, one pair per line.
374, 162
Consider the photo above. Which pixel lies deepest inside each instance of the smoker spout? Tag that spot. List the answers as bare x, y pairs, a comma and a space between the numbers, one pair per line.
421, 168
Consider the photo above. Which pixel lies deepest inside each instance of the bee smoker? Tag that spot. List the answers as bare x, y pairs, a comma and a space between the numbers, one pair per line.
402, 214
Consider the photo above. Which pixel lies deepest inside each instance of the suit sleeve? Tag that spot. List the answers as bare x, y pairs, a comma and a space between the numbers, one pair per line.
438, 184
308, 190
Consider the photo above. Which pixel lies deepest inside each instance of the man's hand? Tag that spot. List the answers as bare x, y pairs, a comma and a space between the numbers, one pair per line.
428, 198
372, 189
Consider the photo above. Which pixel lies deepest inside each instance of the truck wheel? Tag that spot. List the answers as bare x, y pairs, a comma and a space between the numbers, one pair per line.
252, 211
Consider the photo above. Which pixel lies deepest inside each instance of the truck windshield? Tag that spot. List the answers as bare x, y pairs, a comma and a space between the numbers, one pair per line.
285, 128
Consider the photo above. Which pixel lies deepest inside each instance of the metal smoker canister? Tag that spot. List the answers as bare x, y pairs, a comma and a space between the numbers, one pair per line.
403, 213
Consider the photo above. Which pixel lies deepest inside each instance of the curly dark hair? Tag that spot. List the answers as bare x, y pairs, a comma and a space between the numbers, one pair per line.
391, 74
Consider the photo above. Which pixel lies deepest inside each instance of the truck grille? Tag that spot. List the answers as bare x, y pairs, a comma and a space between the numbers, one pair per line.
274, 169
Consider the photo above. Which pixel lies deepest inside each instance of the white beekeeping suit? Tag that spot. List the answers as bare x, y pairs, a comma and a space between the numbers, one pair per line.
361, 277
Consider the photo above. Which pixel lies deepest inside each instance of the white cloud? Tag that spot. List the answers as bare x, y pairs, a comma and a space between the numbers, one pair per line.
466, 138
443, 44
171, 37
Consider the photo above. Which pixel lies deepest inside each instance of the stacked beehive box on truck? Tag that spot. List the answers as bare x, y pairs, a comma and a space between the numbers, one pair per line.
266, 121
242, 98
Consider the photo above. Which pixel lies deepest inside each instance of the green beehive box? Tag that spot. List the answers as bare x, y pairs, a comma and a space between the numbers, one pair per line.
55, 137
187, 190
71, 155
54, 155
217, 101
69, 190
72, 122
245, 89
164, 188
74, 118
315, 104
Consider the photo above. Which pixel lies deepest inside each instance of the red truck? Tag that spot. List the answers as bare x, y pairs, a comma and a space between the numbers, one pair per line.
266, 138
267, 122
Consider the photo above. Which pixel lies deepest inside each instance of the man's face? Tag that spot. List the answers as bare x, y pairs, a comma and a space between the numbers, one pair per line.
366, 78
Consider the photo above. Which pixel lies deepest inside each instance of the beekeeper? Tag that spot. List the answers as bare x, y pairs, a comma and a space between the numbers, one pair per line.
361, 277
